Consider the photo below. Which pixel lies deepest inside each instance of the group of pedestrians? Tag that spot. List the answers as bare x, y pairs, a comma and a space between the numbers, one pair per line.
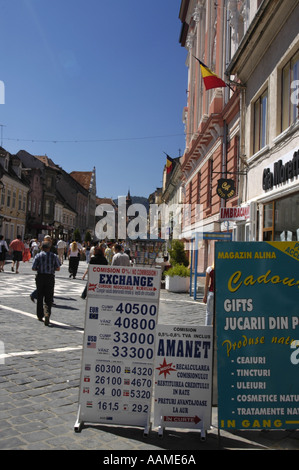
19, 251
47, 262
16, 248
107, 254
47, 259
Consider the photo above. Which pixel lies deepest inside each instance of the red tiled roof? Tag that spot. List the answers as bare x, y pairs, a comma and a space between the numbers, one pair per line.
105, 200
82, 177
46, 161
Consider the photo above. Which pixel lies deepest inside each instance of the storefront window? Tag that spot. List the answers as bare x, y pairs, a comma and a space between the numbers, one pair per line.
268, 215
268, 222
281, 220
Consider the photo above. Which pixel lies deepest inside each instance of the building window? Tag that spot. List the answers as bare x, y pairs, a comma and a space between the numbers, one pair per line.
260, 122
49, 182
190, 192
8, 197
3, 196
198, 187
289, 105
47, 207
210, 182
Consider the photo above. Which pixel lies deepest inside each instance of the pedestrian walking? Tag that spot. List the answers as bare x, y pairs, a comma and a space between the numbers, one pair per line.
98, 258
3, 251
74, 258
209, 295
61, 246
45, 263
93, 247
87, 251
120, 258
34, 247
26, 254
47, 239
109, 252
128, 252
17, 248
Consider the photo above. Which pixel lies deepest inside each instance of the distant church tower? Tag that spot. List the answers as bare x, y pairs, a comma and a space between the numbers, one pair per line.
128, 200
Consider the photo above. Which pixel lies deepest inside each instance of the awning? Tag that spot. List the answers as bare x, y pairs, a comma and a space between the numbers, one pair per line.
41, 226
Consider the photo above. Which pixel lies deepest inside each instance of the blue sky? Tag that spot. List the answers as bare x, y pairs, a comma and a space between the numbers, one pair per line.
95, 83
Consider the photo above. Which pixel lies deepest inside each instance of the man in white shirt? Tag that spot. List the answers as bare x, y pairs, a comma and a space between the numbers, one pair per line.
120, 258
61, 246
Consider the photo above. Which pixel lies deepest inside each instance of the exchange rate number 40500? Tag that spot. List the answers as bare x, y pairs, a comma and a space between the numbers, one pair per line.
136, 308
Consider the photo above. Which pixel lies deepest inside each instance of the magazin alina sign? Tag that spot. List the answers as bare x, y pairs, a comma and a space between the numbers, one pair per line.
257, 317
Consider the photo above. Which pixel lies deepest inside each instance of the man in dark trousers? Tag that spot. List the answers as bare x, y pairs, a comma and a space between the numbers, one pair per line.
45, 263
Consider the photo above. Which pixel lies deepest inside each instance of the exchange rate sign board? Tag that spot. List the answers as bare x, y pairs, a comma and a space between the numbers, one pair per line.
183, 376
257, 294
118, 350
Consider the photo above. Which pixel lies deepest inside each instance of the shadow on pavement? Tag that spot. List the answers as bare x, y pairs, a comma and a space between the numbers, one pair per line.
178, 440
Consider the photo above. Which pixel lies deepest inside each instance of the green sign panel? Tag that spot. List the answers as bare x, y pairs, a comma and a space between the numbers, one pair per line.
257, 320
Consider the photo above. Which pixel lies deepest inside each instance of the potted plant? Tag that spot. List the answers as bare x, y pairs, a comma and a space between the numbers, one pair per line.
178, 254
177, 278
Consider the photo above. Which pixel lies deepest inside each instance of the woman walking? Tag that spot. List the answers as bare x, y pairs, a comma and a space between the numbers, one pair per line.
98, 258
74, 257
26, 254
3, 251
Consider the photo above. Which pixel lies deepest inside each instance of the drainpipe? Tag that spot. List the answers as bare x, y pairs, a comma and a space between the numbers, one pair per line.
243, 192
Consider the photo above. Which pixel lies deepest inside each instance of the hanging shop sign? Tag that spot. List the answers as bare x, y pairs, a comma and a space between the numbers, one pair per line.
118, 347
226, 188
235, 213
283, 170
183, 377
257, 293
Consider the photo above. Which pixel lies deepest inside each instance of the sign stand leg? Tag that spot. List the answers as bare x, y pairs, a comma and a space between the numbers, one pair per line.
78, 424
203, 435
219, 438
161, 427
147, 428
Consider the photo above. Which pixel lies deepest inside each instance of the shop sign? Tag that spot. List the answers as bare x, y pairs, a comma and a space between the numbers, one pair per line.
183, 377
226, 188
282, 172
234, 213
256, 304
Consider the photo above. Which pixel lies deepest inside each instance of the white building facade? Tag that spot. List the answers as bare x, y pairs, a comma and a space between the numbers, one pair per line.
267, 64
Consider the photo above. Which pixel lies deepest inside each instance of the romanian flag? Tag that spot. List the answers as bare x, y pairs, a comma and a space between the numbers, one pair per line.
169, 163
211, 80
